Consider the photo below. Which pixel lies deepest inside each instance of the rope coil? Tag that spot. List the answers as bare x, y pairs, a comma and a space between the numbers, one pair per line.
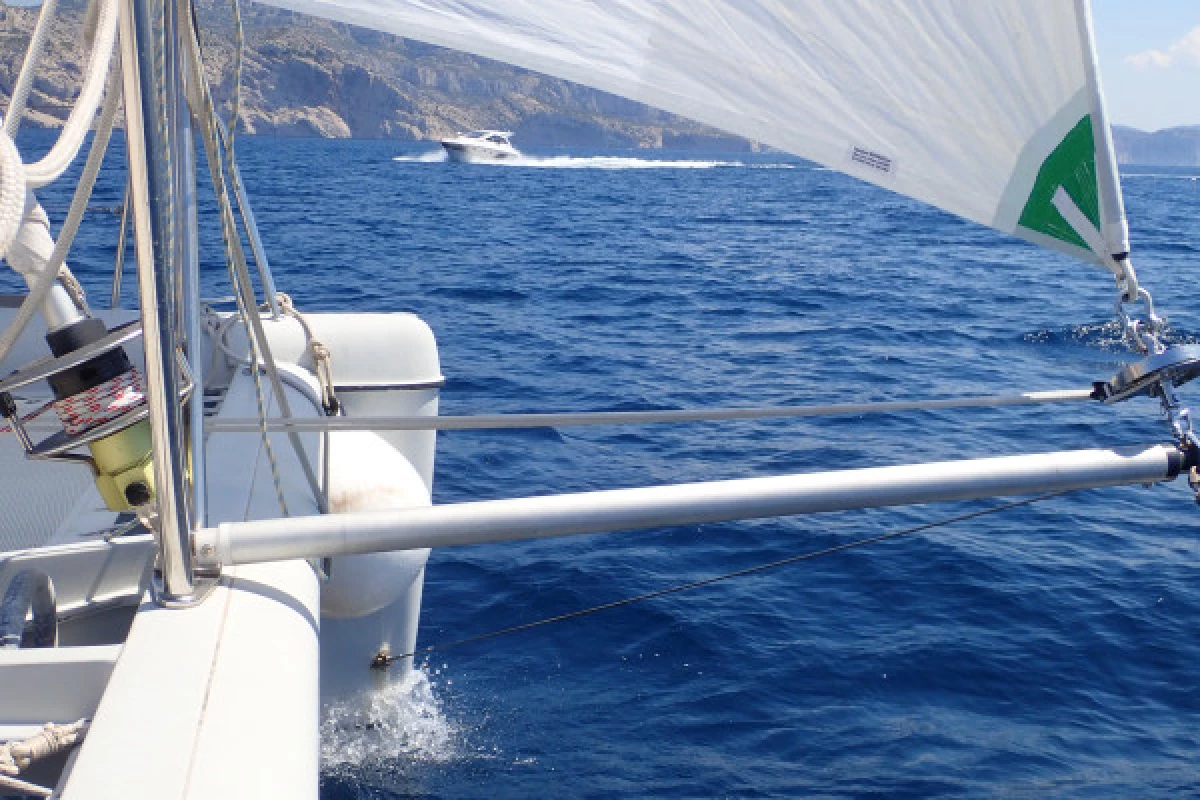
107, 401
50, 740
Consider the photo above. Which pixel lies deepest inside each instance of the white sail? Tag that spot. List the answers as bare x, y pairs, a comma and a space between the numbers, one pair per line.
983, 108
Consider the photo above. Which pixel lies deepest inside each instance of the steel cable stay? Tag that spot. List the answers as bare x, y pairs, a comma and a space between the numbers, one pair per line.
384, 660
218, 143
568, 419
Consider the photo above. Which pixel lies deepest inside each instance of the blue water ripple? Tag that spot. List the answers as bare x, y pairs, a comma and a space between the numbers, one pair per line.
1049, 650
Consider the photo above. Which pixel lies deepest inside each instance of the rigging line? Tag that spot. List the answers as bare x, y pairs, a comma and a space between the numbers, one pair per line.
204, 113
251, 228
119, 266
568, 419
226, 134
239, 47
384, 661
240, 275
212, 130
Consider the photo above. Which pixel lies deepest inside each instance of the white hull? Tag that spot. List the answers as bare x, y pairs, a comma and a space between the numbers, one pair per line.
480, 146
272, 644
474, 154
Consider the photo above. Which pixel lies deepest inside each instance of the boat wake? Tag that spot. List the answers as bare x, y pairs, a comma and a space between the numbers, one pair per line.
403, 720
432, 157
614, 162
1171, 176
592, 162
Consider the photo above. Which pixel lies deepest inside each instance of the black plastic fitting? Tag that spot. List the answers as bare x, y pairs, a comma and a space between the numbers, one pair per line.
92, 372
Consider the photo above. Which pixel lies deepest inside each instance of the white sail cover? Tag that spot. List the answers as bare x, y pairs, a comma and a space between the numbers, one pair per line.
989, 109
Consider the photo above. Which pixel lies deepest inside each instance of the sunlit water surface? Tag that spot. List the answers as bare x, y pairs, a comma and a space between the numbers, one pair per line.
1048, 650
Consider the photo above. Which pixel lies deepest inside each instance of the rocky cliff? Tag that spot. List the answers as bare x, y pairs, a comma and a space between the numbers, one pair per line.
307, 77
1177, 147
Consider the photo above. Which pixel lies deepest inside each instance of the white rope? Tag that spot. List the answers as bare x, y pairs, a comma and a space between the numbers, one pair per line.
12, 192
20, 92
569, 419
40, 287
50, 740
79, 121
320, 353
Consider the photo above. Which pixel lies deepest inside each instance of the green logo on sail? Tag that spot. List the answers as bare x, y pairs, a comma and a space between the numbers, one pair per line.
1072, 166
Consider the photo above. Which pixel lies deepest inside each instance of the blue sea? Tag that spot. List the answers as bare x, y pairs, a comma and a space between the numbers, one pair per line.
1047, 650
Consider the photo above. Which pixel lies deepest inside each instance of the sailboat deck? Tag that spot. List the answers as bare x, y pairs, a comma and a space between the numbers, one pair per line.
45, 502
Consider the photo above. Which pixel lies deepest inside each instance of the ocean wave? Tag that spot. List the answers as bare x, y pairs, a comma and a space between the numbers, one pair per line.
1107, 336
401, 720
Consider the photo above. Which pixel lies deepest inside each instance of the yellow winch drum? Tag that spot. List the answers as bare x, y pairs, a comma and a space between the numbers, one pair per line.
99, 401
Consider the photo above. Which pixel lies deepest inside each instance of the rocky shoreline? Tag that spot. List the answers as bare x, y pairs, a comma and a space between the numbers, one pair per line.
307, 77
303, 76
1171, 147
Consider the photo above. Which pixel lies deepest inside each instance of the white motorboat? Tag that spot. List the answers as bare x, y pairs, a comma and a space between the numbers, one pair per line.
477, 146
229, 522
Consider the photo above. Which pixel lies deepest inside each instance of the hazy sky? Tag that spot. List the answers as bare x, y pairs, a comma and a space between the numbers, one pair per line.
1150, 61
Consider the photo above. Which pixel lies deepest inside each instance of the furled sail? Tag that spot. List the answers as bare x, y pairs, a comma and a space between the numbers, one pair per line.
990, 109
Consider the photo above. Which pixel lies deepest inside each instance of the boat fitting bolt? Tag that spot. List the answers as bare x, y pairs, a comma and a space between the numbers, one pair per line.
137, 493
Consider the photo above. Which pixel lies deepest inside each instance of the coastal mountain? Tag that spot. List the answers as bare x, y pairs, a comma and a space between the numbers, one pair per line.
1171, 147
303, 76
